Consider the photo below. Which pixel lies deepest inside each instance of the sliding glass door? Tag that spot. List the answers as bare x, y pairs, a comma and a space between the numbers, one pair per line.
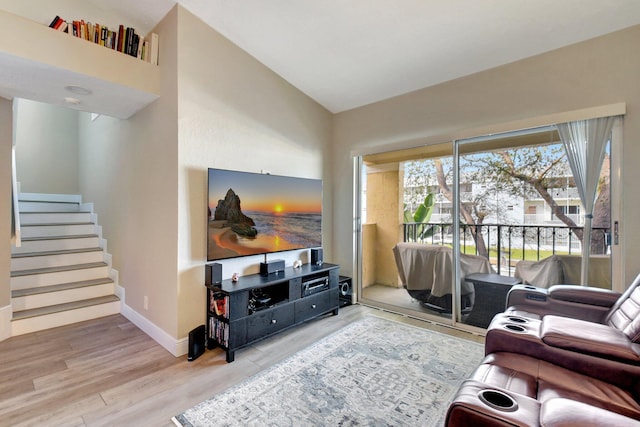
447, 229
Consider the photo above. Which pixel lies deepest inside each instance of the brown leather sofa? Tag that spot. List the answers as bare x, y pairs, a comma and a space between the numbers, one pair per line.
510, 389
565, 355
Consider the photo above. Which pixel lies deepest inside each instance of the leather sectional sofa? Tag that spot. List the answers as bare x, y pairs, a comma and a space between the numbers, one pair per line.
563, 356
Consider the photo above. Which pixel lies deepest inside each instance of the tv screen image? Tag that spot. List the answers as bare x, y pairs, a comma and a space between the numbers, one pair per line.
253, 213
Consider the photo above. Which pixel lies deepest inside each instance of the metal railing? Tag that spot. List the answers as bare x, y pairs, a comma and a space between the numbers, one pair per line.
507, 244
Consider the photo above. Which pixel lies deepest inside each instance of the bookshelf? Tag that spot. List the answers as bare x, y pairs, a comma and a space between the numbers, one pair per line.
36, 62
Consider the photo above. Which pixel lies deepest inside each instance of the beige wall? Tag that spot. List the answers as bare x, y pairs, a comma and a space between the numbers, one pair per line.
383, 211
219, 108
129, 169
597, 72
234, 113
46, 148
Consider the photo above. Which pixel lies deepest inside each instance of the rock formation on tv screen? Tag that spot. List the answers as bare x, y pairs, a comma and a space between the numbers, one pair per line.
229, 210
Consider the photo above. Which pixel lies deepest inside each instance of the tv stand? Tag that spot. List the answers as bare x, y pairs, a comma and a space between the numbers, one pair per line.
255, 307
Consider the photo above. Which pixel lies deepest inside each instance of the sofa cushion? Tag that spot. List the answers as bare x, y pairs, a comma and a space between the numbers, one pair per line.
564, 412
589, 338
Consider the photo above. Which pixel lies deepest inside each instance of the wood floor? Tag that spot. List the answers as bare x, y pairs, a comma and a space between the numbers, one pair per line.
107, 372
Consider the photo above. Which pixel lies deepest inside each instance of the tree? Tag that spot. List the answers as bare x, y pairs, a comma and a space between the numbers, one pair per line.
541, 169
519, 172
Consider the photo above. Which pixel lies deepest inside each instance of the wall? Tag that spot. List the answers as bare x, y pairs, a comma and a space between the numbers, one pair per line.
597, 72
234, 113
147, 176
46, 148
128, 168
383, 210
6, 140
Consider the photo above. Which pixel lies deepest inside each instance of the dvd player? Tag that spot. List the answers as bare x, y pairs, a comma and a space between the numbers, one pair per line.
313, 286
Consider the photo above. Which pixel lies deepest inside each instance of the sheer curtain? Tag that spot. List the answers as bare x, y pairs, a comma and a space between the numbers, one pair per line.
584, 142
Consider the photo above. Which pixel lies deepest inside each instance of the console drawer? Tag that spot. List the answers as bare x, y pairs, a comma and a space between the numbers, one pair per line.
311, 306
266, 322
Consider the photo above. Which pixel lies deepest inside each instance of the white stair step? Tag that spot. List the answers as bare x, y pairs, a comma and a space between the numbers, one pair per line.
58, 230
63, 314
46, 197
57, 275
51, 207
54, 217
28, 299
59, 243
30, 261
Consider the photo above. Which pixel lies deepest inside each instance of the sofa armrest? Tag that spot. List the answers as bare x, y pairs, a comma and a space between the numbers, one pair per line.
589, 338
584, 295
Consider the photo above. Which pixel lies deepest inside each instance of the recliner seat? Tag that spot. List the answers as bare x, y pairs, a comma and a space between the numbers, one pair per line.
510, 389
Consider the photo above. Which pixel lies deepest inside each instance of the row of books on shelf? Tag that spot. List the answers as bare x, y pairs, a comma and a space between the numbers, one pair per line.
219, 304
124, 40
219, 331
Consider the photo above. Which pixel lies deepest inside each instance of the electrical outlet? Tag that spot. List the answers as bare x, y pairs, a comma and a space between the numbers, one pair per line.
146, 302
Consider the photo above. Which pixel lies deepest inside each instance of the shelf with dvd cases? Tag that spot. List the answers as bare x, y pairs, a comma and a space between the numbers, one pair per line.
217, 330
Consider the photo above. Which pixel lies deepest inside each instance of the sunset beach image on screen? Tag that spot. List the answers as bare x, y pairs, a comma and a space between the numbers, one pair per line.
252, 213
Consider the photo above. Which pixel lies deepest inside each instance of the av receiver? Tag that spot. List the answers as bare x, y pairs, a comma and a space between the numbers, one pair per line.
313, 286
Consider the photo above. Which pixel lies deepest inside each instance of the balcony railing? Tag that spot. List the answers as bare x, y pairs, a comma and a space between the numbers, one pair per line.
538, 219
508, 244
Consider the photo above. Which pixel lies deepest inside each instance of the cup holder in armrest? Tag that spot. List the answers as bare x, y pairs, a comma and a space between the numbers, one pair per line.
498, 400
514, 328
517, 319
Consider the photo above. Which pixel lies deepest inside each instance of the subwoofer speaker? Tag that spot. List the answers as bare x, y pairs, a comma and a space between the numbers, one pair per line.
346, 290
196, 343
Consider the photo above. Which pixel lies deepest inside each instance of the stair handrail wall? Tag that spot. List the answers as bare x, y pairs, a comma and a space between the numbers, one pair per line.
16, 240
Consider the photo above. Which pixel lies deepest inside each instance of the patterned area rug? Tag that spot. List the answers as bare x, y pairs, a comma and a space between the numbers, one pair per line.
373, 372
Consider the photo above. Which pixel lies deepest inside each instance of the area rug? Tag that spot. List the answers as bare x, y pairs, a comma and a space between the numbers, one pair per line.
373, 372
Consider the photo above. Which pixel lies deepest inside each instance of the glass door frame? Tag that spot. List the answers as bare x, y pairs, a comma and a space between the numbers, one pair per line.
617, 267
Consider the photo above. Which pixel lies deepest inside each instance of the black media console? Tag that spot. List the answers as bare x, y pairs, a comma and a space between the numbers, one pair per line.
255, 307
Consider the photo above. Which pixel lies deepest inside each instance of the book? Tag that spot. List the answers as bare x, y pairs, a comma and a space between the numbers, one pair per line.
124, 39
54, 22
153, 46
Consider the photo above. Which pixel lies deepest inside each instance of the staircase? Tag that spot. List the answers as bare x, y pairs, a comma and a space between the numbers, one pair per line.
61, 272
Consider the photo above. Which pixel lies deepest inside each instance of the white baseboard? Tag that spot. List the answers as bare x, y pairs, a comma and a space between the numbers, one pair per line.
6, 314
177, 347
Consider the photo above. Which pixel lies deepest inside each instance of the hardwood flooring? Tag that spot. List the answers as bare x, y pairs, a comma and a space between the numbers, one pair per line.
107, 372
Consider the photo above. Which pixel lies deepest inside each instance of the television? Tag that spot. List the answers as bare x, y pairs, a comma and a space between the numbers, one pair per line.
254, 214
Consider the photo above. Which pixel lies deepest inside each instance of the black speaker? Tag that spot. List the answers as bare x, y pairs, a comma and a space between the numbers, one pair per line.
196, 343
316, 256
273, 266
346, 290
212, 273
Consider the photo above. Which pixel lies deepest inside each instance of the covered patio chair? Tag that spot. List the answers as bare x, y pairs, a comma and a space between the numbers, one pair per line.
425, 271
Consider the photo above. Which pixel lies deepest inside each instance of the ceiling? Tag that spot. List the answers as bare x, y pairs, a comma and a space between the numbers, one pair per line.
345, 54
349, 53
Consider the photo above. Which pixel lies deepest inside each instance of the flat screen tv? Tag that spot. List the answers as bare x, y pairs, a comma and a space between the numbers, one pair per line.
254, 214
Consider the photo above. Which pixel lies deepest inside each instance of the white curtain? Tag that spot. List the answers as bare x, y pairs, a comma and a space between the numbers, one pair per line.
584, 142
